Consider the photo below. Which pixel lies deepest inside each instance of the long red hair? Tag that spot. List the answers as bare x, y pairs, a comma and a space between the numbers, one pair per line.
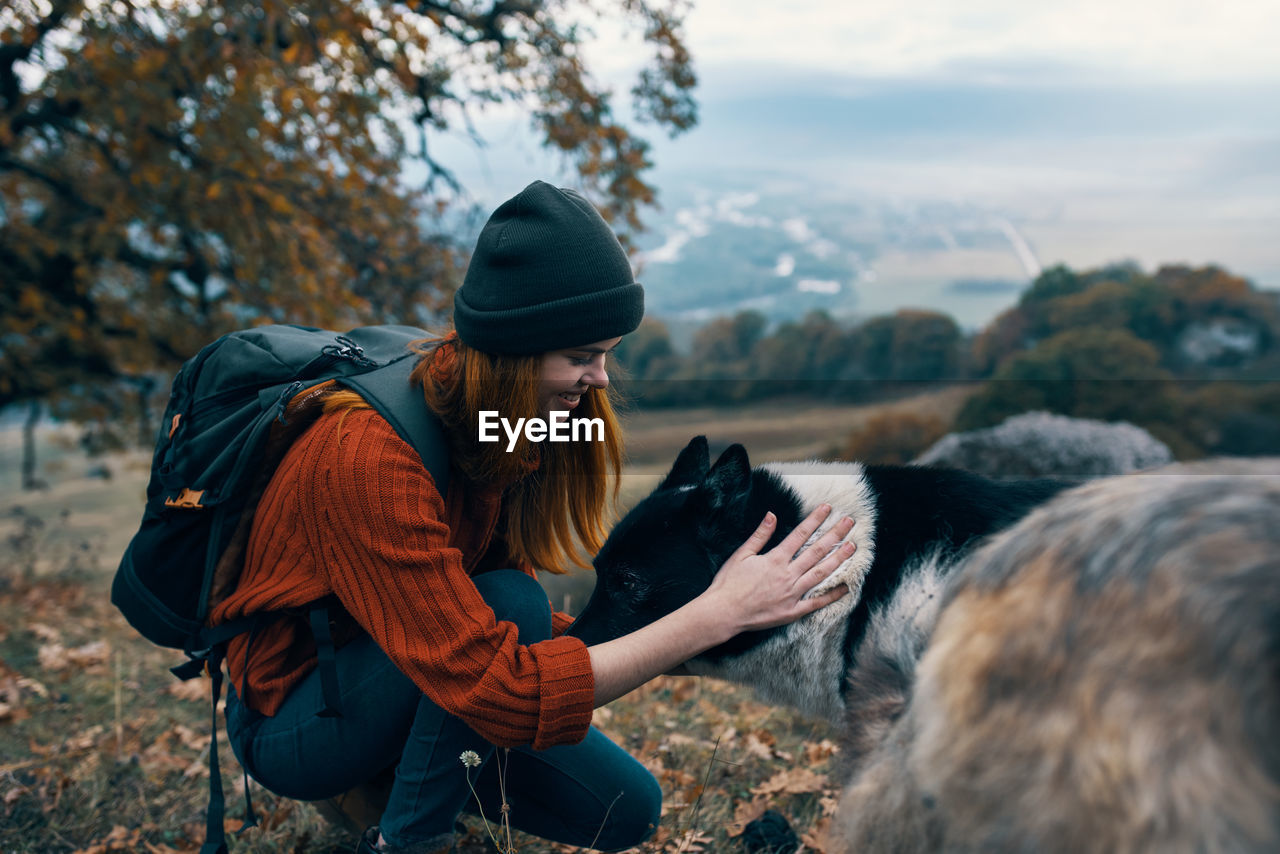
561, 494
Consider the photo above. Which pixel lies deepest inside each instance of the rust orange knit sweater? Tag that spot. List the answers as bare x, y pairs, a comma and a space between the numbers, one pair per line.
352, 512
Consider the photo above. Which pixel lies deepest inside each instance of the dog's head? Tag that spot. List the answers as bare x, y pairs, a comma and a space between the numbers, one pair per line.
665, 552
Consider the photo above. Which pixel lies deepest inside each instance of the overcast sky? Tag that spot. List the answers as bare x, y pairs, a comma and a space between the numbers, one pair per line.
1170, 40
917, 79
1144, 128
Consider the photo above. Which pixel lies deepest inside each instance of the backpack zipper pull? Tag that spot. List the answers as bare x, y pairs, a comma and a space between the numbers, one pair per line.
282, 402
348, 349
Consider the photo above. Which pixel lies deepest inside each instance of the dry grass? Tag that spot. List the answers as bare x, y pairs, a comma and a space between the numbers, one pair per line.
775, 430
103, 751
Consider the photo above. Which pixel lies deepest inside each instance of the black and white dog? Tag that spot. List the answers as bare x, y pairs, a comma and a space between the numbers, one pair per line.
911, 525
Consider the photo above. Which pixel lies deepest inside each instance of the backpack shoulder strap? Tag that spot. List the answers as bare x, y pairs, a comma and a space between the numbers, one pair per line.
389, 392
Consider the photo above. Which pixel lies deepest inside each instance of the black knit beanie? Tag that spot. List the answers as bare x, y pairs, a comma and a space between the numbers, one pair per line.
547, 274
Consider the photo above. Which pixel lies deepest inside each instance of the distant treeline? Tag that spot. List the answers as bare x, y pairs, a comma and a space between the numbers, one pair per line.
1191, 354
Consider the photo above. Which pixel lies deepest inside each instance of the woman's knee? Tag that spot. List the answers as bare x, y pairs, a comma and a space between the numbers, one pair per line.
300, 754
634, 817
517, 598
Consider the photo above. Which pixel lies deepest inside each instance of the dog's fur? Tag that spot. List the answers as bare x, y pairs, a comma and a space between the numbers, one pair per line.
1104, 676
909, 522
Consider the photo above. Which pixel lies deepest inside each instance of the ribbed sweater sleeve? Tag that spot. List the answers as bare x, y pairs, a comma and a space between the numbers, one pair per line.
560, 621
371, 516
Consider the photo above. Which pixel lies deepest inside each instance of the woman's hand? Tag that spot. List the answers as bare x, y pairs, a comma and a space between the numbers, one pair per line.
751, 591
760, 591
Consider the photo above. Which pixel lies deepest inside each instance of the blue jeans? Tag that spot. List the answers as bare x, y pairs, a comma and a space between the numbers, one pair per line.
591, 793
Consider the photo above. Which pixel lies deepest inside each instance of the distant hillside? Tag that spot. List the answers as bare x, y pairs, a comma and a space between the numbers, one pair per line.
786, 252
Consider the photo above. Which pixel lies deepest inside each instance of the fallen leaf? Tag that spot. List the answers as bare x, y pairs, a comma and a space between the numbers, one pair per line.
38, 749
47, 634
31, 686
86, 768
193, 690
679, 777
754, 746
94, 652
276, 817
190, 738
792, 781
692, 840
11, 708
678, 739
86, 739
745, 813
52, 656
684, 689
817, 837
821, 751
119, 839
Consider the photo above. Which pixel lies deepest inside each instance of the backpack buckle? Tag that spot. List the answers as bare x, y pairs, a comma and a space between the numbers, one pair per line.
189, 669
186, 499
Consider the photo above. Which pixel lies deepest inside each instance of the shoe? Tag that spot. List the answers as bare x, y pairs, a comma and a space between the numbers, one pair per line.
442, 844
360, 807
369, 841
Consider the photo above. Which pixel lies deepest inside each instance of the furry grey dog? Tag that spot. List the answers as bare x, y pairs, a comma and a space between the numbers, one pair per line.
1103, 676
1018, 667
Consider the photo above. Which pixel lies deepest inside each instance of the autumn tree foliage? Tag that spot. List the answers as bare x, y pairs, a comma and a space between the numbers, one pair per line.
1165, 309
171, 169
911, 345
892, 438
1093, 372
815, 349
738, 358
647, 353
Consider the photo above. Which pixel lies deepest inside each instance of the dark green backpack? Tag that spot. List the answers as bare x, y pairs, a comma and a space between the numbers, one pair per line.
211, 452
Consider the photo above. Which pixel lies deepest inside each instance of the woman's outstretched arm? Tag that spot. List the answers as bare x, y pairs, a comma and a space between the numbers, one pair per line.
751, 591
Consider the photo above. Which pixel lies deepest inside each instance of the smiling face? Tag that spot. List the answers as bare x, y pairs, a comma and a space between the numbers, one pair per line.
567, 374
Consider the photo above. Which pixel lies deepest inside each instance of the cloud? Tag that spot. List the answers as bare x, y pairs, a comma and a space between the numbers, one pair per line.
818, 286
798, 230
1173, 40
695, 222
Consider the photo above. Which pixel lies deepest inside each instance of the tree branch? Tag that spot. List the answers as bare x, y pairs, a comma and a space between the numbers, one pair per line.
62, 188
13, 53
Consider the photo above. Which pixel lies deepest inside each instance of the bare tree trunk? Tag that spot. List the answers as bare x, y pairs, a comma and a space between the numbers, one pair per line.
29, 479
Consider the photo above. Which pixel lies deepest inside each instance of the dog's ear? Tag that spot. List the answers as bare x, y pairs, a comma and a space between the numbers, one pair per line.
691, 465
729, 481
